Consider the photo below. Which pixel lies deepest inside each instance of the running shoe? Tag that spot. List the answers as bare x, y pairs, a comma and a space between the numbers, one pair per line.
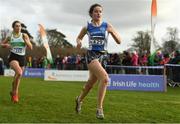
99, 114
78, 105
14, 97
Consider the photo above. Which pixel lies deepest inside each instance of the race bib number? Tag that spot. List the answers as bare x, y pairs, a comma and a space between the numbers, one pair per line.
18, 50
97, 41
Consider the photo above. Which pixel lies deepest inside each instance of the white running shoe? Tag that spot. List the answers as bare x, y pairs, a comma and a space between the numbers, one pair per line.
78, 105
99, 114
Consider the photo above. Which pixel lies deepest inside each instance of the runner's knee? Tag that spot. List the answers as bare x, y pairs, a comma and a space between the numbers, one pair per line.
88, 86
19, 73
92, 81
105, 79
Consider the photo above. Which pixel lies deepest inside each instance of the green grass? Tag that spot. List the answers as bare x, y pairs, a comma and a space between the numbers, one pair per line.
46, 101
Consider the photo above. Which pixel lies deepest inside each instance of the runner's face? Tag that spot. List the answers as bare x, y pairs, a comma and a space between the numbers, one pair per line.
17, 27
97, 13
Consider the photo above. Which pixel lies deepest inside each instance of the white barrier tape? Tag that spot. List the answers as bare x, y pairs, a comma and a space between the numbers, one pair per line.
150, 67
175, 65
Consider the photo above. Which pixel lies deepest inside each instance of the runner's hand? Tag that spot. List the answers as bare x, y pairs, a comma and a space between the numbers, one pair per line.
79, 44
6, 45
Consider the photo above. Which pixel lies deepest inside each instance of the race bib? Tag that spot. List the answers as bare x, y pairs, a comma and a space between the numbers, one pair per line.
97, 41
18, 50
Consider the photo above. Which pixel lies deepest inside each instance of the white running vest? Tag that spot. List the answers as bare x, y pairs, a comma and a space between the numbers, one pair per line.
18, 45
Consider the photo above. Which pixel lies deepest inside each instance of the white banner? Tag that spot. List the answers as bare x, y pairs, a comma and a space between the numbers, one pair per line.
9, 72
64, 75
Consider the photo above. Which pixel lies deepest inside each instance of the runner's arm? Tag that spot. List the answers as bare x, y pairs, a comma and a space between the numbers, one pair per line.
114, 33
27, 41
5, 43
80, 37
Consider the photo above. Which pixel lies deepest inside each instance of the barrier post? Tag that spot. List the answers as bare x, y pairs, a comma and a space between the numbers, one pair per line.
165, 78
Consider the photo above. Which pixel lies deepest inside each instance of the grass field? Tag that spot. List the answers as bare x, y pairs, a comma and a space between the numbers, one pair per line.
46, 101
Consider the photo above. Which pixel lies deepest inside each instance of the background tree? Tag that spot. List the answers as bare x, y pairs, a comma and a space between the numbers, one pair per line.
142, 41
55, 39
171, 41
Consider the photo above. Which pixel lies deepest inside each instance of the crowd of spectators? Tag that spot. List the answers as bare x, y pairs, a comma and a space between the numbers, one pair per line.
127, 58
69, 62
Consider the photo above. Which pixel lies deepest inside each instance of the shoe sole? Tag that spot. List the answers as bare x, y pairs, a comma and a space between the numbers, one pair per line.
101, 118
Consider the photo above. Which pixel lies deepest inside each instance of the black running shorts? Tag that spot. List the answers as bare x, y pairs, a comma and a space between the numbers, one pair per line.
19, 58
100, 56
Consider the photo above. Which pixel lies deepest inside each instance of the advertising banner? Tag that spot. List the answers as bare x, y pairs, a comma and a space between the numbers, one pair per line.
65, 75
137, 82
